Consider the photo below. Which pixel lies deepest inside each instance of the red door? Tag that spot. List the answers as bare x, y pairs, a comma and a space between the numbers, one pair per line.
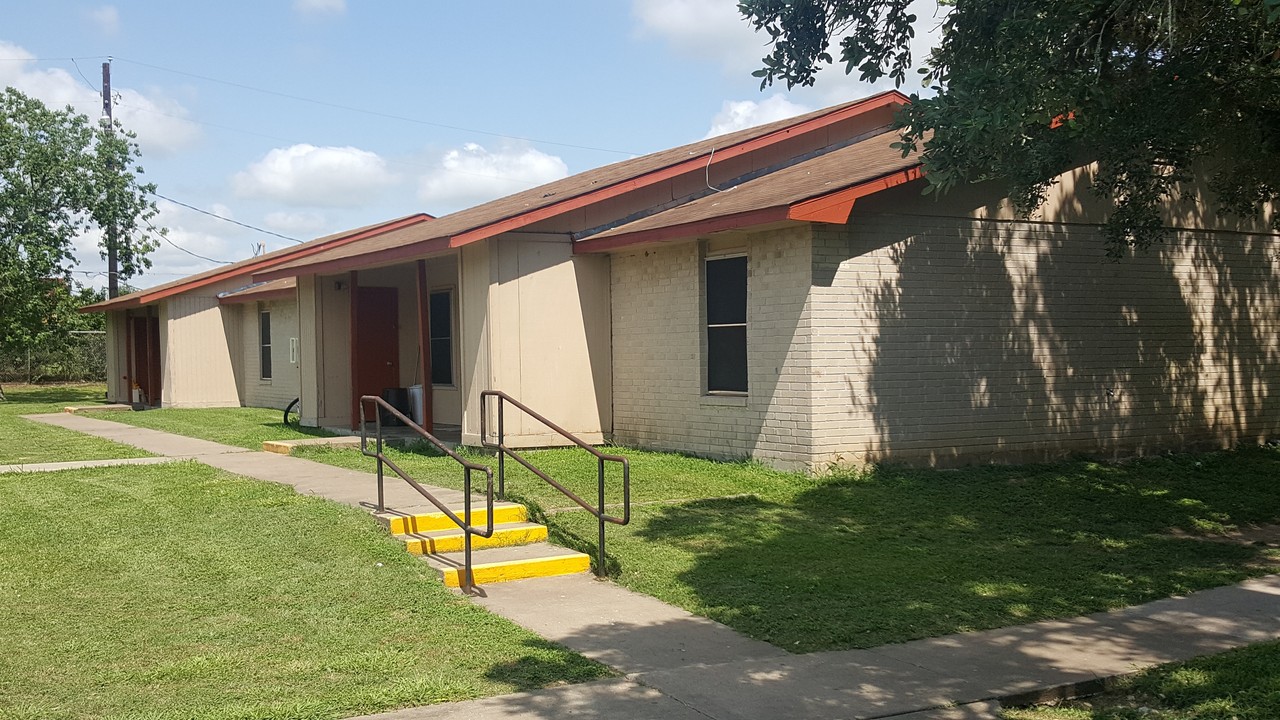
376, 362
145, 336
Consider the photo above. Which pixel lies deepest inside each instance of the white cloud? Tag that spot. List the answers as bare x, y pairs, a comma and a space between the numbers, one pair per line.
472, 175
107, 18
704, 29
740, 114
160, 121
310, 176
714, 30
300, 223
320, 7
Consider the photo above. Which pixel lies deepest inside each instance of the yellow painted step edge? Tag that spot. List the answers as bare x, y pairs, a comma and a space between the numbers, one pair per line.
454, 543
519, 570
427, 522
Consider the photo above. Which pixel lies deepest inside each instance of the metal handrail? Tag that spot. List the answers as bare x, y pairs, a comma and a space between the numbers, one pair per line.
468, 579
601, 459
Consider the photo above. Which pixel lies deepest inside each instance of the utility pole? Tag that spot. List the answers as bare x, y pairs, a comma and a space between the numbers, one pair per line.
113, 269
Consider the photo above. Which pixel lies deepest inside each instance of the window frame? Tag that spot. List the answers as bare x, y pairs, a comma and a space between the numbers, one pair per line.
707, 326
265, 369
451, 292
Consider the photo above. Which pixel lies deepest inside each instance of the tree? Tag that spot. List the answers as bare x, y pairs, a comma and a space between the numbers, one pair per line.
1153, 90
60, 176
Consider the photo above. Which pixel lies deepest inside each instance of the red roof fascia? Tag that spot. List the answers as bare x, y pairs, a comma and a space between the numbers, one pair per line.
834, 208
580, 201
250, 267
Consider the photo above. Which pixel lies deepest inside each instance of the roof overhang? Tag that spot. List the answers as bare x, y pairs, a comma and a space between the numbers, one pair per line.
832, 208
247, 267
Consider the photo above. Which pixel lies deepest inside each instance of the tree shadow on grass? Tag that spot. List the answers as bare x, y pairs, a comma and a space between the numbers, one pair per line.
548, 665
902, 554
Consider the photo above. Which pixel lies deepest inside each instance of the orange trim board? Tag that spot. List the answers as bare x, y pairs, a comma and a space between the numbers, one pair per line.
497, 227
833, 208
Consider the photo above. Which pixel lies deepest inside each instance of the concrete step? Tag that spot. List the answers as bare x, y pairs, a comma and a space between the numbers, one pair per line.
505, 564
435, 542
410, 523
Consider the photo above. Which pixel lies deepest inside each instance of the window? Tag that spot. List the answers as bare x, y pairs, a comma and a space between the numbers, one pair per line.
727, 324
441, 309
264, 344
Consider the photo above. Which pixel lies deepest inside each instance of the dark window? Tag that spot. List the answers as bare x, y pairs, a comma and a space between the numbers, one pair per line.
264, 344
441, 338
727, 324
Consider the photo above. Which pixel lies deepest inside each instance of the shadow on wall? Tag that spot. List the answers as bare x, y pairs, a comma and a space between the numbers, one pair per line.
1021, 340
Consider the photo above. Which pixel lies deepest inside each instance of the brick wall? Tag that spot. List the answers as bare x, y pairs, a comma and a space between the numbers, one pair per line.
658, 372
950, 340
284, 384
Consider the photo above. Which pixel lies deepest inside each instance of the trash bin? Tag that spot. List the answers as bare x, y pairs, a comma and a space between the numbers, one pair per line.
397, 398
415, 403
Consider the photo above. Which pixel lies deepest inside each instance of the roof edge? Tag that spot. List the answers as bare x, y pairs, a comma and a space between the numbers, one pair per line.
143, 297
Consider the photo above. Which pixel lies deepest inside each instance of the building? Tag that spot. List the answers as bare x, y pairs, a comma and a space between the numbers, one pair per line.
783, 292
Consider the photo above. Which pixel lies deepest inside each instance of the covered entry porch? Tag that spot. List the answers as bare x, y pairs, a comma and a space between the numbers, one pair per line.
389, 331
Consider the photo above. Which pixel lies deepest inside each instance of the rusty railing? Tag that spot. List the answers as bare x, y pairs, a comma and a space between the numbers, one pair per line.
467, 581
601, 459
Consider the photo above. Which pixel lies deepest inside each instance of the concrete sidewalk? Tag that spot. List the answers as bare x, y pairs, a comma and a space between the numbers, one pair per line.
933, 679
351, 487
677, 665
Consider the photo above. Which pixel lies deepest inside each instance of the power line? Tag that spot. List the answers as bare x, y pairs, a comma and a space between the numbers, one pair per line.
83, 76
227, 219
374, 113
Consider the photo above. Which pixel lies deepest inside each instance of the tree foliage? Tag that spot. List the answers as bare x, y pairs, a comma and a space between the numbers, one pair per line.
1153, 90
62, 175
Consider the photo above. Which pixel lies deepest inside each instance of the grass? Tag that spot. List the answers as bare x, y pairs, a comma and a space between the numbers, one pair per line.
241, 427
894, 554
1238, 685
183, 591
26, 441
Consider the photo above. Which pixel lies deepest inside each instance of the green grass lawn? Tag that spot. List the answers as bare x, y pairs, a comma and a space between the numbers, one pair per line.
242, 427
893, 554
899, 554
184, 591
23, 441
1239, 685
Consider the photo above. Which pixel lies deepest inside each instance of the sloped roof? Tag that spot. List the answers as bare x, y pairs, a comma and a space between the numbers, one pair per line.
260, 291
253, 264
524, 208
769, 198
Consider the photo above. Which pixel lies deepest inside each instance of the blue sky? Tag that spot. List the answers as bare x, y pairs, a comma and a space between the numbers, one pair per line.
307, 117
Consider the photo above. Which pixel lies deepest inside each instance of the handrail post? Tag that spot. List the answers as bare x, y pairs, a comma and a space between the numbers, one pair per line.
468, 577
502, 455
600, 564
377, 423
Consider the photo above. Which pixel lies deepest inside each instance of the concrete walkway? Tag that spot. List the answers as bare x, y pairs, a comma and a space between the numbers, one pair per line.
677, 665
351, 487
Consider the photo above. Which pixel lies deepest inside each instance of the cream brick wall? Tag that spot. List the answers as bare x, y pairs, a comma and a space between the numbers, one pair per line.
658, 371
950, 340
285, 382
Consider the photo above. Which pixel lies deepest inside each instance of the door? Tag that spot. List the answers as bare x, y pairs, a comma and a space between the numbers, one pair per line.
376, 353
145, 338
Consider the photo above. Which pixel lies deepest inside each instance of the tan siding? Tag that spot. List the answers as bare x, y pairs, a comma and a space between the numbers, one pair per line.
197, 345
658, 348
548, 319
